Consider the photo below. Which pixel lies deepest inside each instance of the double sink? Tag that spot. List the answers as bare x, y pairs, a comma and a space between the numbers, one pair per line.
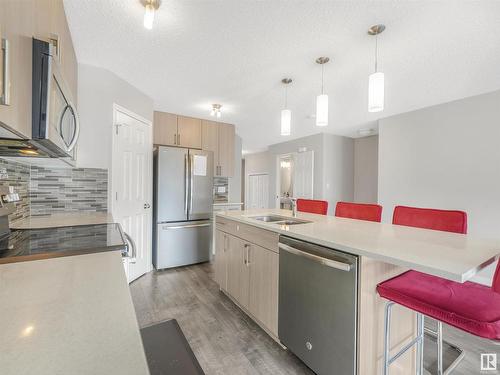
280, 220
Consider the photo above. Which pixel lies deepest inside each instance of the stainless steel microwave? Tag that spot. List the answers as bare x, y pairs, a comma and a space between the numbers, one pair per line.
55, 123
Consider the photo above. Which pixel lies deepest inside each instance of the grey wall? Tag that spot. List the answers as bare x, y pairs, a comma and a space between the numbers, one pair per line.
366, 169
333, 166
98, 90
446, 156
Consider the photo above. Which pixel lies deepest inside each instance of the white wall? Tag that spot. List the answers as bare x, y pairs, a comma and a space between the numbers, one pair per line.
333, 166
446, 156
366, 169
98, 89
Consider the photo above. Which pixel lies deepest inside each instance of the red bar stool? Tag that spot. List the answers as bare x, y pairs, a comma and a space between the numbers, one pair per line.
359, 211
471, 307
312, 206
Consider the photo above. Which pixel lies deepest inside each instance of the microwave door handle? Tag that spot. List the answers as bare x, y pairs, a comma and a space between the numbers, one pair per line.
76, 133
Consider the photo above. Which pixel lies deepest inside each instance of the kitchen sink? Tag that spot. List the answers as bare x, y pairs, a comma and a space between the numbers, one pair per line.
281, 220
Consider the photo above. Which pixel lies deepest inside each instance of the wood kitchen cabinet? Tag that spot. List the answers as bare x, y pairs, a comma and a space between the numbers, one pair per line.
219, 138
221, 258
175, 130
247, 271
20, 21
16, 29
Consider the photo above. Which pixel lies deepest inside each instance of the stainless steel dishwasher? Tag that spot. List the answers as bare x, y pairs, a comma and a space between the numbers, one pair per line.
318, 295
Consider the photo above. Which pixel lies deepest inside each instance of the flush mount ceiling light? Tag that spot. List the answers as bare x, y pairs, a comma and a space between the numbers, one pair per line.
286, 114
322, 100
216, 110
376, 79
150, 6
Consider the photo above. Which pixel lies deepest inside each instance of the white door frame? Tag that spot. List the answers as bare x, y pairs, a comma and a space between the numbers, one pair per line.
277, 194
118, 108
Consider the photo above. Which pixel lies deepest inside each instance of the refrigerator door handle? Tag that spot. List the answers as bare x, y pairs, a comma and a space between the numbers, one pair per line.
191, 177
166, 227
186, 189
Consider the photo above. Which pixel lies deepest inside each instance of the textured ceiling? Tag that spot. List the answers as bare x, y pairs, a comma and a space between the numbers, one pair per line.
236, 52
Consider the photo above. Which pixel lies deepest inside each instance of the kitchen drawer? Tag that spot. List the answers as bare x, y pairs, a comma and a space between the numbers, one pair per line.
257, 236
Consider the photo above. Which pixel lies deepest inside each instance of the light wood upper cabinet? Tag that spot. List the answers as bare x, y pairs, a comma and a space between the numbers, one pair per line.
264, 274
219, 138
20, 21
16, 23
189, 132
165, 129
66, 52
226, 150
174, 130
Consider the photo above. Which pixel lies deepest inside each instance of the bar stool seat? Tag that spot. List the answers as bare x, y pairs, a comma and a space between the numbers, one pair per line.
472, 307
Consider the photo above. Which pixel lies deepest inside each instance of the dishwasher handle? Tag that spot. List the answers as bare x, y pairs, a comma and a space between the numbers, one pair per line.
324, 261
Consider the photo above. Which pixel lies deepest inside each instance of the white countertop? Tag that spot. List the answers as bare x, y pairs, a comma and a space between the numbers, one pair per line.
70, 315
63, 220
453, 256
228, 204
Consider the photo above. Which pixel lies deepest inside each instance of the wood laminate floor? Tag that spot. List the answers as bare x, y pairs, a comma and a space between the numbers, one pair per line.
226, 341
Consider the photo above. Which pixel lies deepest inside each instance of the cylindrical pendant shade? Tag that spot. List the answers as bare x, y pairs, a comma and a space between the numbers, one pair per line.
322, 110
286, 120
149, 16
376, 92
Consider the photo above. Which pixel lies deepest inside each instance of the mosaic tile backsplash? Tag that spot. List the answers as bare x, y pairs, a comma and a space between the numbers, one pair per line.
45, 191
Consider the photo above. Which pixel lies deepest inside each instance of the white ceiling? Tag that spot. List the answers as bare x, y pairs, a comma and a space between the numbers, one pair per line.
236, 52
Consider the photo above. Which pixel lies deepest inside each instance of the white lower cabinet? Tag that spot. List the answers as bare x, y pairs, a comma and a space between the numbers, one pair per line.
249, 274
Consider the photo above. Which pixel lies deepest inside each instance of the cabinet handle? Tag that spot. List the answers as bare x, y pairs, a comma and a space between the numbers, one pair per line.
178, 139
175, 139
247, 254
5, 98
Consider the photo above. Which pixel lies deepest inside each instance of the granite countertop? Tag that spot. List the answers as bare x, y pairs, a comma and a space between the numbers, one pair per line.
70, 315
453, 256
63, 220
33, 244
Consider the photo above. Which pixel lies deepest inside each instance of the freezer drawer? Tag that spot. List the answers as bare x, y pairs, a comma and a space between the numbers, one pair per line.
182, 243
318, 306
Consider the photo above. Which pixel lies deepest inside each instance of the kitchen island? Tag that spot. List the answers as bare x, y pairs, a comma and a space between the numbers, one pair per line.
71, 315
247, 269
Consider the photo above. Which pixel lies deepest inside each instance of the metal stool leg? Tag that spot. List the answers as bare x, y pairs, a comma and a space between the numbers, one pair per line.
440, 348
387, 336
420, 345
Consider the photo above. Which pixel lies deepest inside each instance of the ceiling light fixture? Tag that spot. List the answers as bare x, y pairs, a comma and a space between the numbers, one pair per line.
376, 79
286, 114
151, 6
322, 100
216, 110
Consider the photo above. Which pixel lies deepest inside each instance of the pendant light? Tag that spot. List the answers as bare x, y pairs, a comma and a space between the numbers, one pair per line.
286, 114
376, 79
322, 100
150, 7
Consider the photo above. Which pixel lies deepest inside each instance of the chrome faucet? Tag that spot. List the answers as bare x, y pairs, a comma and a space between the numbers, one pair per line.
294, 207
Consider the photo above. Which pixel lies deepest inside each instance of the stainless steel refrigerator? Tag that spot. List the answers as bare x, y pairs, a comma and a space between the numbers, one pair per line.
183, 198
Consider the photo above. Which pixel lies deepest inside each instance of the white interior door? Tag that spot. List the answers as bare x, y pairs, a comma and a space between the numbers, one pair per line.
303, 175
257, 191
132, 186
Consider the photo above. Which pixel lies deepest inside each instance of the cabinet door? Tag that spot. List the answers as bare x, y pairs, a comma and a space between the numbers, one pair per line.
165, 129
210, 140
264, 271
238, 275
66, 52
226, 150
189, 130
16, 22
221, 253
